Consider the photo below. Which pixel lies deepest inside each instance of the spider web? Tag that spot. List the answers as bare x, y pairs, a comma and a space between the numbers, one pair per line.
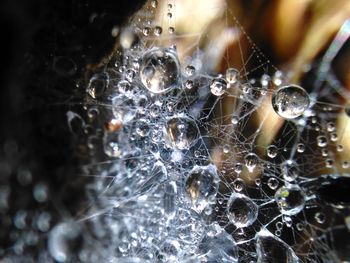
143, 206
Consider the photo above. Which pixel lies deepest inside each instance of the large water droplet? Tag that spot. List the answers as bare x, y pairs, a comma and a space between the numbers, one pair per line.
64, 240
241, 210
290, 199
202, 185
160, 70
290, 101
271, 249
218, 248
182, 131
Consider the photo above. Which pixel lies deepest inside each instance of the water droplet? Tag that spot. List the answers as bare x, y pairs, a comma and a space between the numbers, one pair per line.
98, 85
232, 75
265, 80
75, 122
159, 71
219, 247
251, 160
234, 120
238, 168
169, 15
289, 170
43, 221
171, 30
273, 183
202, 185
300, 147
218, 86
154, 3
333, 136
182, 131
190, 70
238, 185
142, 127
146, 30
321, 141
170, 249
111, 144
158, 30
277, 78
290, 101
226, 148
189, 84
241, 210
290, 199
320, 217
269, 248
40, 192
272, 151
63, 241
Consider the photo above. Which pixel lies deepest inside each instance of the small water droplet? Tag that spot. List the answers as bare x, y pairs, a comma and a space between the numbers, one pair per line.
251, 160
232, 76
272, 151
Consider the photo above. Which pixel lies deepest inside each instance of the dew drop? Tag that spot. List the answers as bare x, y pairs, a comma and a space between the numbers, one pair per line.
182, 132
159, 70
300, 147
218, 247
290, 101
238, 185
251, 160
63, 241
218, 86
171, 30
146, 30
321, 141
98, 85
241, 210
142, 128
190, 70
272, 151
320, 217
158, 30
273, 183
111, 144
232, 75
289, 170
269, 248
290, 199
202, 185
234, 120
154, 3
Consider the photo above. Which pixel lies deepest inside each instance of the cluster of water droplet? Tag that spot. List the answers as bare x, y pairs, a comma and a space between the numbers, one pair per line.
176, 185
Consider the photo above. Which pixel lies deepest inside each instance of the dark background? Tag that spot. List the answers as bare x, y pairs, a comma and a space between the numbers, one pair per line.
46, 47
